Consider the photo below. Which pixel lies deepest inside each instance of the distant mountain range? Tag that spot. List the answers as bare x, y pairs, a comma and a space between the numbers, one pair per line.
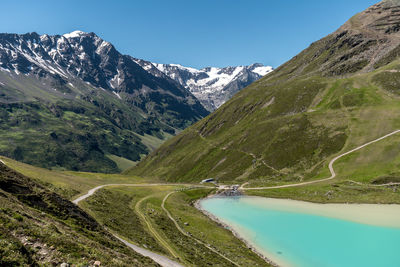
212, 86
73, 101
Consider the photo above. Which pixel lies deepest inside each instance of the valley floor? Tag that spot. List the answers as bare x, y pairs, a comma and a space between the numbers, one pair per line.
161, 217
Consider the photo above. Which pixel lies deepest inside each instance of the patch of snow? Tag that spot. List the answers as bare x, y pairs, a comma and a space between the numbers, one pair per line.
186, 68
74, 34
148, 66
116, 80
104, 44
60, 41
110, 84
44, 37
264, 70
15, 69
3, 69
38, 60
82, 56
160, 67
163, 67
115, 93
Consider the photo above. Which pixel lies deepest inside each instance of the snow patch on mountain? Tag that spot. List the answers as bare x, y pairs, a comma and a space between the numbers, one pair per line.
262, 70
74, 34
212, 86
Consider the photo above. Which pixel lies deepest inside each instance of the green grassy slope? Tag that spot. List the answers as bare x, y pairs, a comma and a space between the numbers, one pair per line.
40, 228
115, 208
72, 134
337, 94
70, 184
78, 130
118, 209
62, 111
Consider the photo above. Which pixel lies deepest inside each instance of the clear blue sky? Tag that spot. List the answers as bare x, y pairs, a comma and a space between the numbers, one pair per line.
194, 33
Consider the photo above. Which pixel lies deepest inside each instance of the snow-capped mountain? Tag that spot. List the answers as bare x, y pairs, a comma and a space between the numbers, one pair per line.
80, 98
77, 57
212, 86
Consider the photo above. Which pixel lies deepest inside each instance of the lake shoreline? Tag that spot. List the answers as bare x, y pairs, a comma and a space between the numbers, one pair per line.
257, 251
384, 215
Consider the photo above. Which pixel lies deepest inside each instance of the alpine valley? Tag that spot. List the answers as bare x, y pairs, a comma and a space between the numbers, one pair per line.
337, 94
74, 102
111, 160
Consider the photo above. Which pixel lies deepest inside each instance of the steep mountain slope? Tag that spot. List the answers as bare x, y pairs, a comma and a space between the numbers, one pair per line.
75, 102
340, 92
40, 228
212, 86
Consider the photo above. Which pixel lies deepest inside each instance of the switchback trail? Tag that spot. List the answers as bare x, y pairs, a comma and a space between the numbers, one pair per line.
333, 174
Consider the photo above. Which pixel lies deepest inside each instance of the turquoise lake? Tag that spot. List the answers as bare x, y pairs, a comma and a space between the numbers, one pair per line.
307, 240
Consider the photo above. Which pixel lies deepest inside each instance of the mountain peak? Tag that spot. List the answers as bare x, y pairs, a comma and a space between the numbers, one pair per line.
211, 85
74, 34
79, 72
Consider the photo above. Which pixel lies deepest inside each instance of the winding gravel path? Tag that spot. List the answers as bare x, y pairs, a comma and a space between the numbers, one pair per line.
93, 190
333, 174
160, 259
153, 231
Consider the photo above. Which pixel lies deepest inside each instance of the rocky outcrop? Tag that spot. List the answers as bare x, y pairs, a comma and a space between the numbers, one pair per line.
212, 86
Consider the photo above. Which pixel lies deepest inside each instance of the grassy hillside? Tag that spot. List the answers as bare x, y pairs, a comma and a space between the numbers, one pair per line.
128, 212
137, 215
40, 228
337, 94
75, 134
60, 110
70, 184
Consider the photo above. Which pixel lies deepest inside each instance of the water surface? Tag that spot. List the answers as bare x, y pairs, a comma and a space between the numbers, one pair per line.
300, 237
